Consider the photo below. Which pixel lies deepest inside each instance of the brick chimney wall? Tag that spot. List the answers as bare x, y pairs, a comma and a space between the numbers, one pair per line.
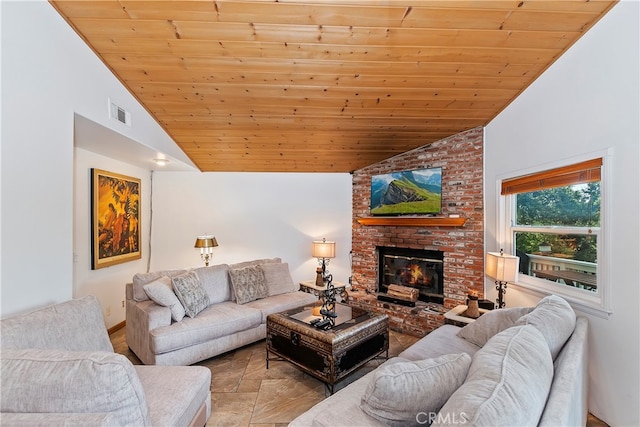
461, 159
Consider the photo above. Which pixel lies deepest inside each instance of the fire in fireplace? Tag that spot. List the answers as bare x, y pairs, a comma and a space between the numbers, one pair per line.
415, 268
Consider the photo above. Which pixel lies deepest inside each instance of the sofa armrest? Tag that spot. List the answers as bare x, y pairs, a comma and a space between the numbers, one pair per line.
47, 419
567, 402
141, 318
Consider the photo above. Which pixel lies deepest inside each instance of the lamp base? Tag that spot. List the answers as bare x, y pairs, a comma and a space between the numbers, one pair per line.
501, 287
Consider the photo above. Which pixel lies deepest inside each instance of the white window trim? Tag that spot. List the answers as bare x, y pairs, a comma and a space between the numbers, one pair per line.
598, 304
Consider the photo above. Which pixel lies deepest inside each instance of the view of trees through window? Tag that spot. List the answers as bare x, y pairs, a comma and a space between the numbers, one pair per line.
556, 231
558, 210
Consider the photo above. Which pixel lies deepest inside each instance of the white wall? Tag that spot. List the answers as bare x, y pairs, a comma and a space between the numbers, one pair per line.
587, 101
48, 74
252, 215
107, 284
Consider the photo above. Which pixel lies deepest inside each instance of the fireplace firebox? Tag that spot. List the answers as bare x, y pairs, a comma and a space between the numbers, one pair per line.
415, 268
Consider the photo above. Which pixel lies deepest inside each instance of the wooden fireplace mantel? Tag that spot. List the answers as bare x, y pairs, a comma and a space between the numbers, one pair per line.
412, 221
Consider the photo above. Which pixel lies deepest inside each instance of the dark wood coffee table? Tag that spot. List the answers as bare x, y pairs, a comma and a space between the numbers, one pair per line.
329, 355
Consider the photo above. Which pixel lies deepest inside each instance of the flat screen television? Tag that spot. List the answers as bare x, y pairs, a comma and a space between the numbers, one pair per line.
411, 192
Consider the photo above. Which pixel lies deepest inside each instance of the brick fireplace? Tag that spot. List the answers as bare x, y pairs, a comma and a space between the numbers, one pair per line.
462, 247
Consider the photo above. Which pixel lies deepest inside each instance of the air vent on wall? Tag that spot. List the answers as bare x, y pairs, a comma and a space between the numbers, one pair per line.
120, 114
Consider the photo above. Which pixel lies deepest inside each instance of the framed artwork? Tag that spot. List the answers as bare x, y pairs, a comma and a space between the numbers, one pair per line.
115, 218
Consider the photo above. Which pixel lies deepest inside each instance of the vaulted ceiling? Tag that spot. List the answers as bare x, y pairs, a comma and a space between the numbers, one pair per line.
324, 85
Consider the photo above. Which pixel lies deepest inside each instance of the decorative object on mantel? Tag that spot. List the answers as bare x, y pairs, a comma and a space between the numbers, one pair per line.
206, 245
503, 269
414, 221
472, 311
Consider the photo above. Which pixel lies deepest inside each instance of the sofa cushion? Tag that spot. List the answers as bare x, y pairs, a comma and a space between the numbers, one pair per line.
192, 295
141, 279
217, 320
491, 323
248, 283
400, 392
175, 393
282, 302
75, 325
161, 292
215, 280
441, 341
37, 380
507, 384
555, 319
278, 278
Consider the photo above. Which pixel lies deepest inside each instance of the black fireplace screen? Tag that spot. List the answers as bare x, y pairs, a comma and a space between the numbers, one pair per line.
415, 268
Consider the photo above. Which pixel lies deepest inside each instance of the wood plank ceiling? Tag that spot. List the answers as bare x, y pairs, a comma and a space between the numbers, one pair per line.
324, 86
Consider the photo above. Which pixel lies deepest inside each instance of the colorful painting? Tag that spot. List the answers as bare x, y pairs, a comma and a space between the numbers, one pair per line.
115, 218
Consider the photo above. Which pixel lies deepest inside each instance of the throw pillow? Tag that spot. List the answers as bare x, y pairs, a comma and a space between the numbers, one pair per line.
278, 278
192, 295
248, 283
491, 323
401, 392
141, 279
507, 384
161, 292
555, 319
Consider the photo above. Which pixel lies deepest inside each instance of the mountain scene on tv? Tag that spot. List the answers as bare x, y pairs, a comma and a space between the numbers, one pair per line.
407, 192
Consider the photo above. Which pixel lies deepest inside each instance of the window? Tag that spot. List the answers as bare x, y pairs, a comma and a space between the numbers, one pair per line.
552, 221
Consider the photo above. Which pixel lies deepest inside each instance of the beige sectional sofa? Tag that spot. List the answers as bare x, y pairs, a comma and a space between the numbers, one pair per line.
180, 317
59, 368
512, 367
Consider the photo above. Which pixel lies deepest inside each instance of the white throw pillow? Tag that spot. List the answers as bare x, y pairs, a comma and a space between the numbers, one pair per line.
192, 295
161, 292
555, 319
507, 384
491, 323
141, 279
278, 278
248, 283
405, 392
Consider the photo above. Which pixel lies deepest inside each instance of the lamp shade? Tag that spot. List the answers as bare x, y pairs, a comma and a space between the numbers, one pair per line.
503, 268
205, 242
323, 249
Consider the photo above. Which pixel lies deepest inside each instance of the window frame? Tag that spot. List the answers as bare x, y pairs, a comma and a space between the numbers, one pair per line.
596, 303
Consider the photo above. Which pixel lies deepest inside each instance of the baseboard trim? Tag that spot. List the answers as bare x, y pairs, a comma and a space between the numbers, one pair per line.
117, 327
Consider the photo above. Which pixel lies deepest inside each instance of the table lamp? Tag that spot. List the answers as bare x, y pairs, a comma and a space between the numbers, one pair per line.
206, 245
503, 269
324, 251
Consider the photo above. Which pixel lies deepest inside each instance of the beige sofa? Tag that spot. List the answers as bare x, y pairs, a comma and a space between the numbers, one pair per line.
180, 317
512, 367
59, 368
